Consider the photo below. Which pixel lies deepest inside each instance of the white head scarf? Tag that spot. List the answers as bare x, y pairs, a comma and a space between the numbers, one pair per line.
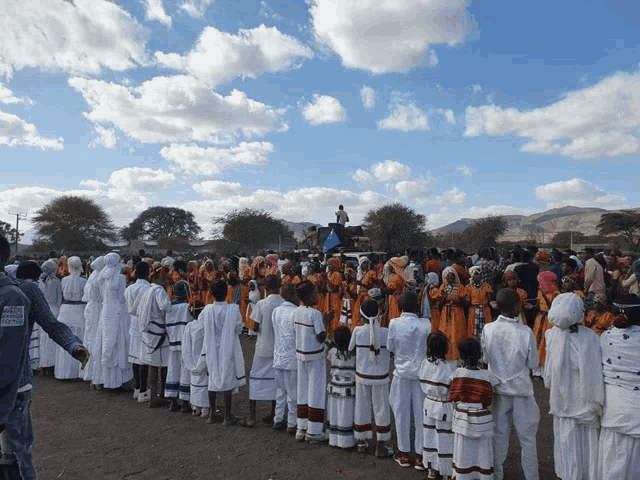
449, 270
97, 265
11, 271
111, 268
361, 270
254, 295
75, 270
49, 270
433, 279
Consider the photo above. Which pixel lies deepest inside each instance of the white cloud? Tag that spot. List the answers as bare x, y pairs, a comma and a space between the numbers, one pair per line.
176, 109
382, 172
154, 10
218, 188
196, 8
368, 97
8, 98
417, 188
219, 57
15, 132
141, 179
465, 170
79, 36
212, 161
105, 137
451, 197
405, 118
600, 120
324, 109
433, 59
580, 193
449, 116
383, 36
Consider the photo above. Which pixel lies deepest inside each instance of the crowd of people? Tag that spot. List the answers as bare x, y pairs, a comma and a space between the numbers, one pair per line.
466, 334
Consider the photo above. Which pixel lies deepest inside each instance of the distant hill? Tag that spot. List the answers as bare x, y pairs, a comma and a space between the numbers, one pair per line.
544, 224
298, 227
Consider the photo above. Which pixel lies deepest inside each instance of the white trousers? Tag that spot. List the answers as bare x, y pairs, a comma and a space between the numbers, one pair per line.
287, 396
618, 456
178, 377
312, 386
372, 398
575, 449
407, 396
438, 445
523, 413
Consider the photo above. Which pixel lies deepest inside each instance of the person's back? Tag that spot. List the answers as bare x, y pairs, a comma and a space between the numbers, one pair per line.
284, 350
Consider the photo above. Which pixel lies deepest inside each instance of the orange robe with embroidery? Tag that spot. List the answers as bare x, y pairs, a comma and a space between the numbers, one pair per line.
453, 323
396, 284
319, 281
193, 278
542, 323
478, 297
599, 322
350, 295
369, 281
334, 299
206, 279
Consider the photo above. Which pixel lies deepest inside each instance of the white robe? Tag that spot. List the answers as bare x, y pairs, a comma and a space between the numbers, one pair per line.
194, 360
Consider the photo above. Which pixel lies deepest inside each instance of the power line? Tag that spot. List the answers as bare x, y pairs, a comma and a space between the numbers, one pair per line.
18, 217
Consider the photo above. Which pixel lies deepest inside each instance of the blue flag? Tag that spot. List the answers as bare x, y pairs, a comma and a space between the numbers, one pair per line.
331, 241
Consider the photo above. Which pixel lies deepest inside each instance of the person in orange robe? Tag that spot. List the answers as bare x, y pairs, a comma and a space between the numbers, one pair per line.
432, 264
366, 279
451, 296
176, 273
244, 275
598, 318
478, 294
234, 289
547, 292
63, 266
334, 293
569, 285
287, 274
510, 280
349, 297
193, 277
207, 276
460, 265
320, 281
396, 282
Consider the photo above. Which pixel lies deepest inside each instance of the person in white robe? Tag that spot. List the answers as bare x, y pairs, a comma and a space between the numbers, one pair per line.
177, 384
111, 344
619, 446
72, 315
407, 341
341, 389
93, 299
196, 363
222, 326
573, 373
151, 309
51, 287
285, 365
133, 295
262, 381
369, 342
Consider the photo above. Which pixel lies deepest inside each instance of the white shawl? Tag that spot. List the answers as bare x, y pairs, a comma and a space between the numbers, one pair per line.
192, 348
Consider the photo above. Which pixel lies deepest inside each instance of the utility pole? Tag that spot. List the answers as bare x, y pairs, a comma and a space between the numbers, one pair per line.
18, 217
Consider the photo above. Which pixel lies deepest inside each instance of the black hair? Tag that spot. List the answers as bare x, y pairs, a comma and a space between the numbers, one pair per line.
304, 290
181, 289
470, 352
369, 307
219, 290
571, 263
272, 282
340, 207
341, 338
4, 244
28, 271
627, 315
408, 301
142, 270
507, 299
437, 346
288, 292
179, 265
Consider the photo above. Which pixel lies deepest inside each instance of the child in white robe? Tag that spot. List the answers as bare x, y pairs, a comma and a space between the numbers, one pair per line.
341, 389
435, 380
195, 362
369, 342
472, 391
177, 384
573, 373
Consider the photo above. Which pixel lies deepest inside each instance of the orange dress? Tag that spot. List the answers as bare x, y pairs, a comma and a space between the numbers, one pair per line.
396, 284
542, 323
453, 323
599, 322
206, 279
174, 277
194, 283
319, 281
432, 265
463, 274
479, 297
369, 281
334, 299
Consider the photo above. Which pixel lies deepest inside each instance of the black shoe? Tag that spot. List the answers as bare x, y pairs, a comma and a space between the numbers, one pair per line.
280, 426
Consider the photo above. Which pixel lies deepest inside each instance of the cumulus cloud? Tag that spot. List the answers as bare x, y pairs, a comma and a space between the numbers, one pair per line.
406, 118
382, 172
324, 109
219, 57
600, 120
141, 179
104, 137
196, 8
212, 161
176, 109
217, 188
15, 132
383, 36
80, 36
368, 97
451, 197
465, 170
154, 10
8, 98
418, 188
580, 193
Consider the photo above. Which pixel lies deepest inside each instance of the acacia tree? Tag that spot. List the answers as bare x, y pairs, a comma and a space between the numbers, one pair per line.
565, 238
157, 222
8, 231
73, 223
626, 223
251, 230
395, 228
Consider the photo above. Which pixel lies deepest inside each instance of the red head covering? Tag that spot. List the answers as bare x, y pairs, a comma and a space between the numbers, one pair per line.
548, 282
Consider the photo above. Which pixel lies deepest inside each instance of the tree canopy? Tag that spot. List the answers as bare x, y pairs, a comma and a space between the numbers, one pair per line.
626, 223
252, 230
8, 231
395, 228
73, 223
564, 239
483, 232
156, 222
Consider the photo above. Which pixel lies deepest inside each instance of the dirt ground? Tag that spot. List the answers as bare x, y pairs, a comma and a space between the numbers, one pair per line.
88, 434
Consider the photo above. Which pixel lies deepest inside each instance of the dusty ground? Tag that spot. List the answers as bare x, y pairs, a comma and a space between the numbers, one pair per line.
83, 434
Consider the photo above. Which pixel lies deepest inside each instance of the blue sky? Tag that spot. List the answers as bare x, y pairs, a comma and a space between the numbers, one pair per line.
456, 109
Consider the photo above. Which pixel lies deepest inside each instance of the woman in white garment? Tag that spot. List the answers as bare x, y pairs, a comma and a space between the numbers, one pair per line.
619, 452
93, 298
112, 336
71, 314
573, 373
51, 287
